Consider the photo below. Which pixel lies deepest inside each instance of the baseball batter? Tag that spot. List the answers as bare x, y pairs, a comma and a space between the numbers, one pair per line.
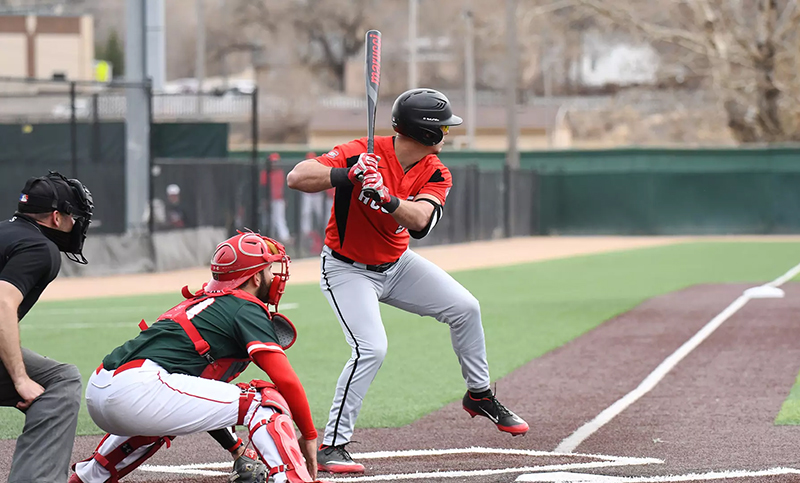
173, 378
366, 260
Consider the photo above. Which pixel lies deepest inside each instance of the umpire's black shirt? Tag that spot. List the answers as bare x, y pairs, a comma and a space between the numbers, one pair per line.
28, 259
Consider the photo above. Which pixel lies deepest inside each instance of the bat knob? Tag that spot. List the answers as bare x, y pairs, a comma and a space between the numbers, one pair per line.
371, 193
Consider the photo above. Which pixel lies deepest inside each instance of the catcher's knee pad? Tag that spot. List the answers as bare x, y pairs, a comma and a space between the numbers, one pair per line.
281, 429
270, 397
118, 454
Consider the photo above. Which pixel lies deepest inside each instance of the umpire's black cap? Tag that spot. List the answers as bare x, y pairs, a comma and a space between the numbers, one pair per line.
54, 192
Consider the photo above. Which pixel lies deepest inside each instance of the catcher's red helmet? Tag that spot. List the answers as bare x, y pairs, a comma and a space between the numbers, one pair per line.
242, 256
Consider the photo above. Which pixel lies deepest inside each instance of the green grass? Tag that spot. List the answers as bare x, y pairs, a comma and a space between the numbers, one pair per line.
789, 414
528, 310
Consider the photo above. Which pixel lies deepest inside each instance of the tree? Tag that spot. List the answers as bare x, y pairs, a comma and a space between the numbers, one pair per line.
746, 51
323, 35
112, 52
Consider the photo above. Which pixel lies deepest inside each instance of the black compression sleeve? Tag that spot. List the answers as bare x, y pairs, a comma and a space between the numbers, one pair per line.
392, 205
339, 177
225, 438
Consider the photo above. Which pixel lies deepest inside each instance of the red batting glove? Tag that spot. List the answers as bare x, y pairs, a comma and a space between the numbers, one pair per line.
366, 162
374, 188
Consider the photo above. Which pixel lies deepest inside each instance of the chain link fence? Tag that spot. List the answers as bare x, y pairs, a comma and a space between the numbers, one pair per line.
79, 129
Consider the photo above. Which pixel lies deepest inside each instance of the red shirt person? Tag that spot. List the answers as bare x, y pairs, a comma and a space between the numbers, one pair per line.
278, 225
381, 200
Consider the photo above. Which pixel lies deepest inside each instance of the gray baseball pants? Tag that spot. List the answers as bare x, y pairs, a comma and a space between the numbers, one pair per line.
415, 285
44, 448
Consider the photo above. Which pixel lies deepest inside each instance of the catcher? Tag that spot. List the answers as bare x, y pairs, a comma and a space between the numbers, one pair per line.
173, 378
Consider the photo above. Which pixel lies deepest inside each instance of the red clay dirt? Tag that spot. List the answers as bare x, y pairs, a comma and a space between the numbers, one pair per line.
712, 412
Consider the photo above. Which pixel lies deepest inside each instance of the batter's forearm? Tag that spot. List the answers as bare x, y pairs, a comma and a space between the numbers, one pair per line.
413, 215
10, 350
309, 176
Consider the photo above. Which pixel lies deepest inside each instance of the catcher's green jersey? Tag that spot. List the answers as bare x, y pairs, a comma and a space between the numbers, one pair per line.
233, 327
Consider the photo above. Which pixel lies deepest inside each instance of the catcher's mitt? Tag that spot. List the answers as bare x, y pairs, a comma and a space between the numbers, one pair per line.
248, 469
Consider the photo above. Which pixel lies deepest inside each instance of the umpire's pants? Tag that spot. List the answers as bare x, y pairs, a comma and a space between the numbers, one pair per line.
44, 448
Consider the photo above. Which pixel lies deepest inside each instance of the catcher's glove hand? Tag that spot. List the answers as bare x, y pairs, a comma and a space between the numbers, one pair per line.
248, 469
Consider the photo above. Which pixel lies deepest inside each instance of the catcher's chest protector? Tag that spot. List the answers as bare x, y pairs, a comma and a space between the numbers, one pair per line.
226, 369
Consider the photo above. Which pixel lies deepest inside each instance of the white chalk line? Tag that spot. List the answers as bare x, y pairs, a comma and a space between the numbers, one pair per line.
581, 434
564, 477
207, 469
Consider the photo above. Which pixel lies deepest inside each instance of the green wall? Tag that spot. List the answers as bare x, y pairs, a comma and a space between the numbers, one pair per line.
646, 191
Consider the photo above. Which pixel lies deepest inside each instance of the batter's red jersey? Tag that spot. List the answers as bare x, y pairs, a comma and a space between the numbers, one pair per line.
358, 228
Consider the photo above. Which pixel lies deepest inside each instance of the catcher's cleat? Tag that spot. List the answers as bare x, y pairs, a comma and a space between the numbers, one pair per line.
248, 469
73, 478
490, 407
336, 459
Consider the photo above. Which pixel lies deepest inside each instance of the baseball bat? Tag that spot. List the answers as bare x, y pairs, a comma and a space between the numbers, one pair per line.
372, 73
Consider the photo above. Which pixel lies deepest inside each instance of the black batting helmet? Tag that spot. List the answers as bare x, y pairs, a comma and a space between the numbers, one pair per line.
420, 115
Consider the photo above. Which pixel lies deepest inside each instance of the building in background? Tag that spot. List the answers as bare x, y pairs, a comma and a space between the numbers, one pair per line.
331, 126
57, 47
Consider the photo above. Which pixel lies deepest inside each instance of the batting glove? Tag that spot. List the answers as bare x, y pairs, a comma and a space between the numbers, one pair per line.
366, 163
374, 188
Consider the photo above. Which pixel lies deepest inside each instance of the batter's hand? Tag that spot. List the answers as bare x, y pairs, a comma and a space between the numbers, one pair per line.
28, 390
309, 449
374, 188
366, 163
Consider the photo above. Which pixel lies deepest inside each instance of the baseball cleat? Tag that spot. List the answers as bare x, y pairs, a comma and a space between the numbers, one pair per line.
336, 459
489, 407
73, 478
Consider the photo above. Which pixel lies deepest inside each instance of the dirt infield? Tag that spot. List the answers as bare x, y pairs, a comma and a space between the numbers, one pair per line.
712, 413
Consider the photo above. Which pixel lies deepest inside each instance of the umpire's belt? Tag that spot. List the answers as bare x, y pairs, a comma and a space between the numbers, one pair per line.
372, 268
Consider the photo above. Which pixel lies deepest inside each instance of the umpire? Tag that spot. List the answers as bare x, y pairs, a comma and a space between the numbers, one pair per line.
53, 215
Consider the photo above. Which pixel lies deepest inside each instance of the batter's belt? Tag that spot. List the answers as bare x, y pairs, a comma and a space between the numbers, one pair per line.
372, 268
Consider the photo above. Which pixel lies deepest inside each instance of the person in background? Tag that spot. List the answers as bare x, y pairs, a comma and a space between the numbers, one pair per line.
312, 217
278, 226
175, 214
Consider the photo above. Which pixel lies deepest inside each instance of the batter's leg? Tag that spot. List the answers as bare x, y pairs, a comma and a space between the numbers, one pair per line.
420, 287
353, 295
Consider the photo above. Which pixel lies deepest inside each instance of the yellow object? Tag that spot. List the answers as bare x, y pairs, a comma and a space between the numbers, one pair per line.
27, 129
102, 71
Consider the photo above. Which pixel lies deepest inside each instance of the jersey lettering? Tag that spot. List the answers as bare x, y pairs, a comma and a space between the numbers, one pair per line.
380, 238
369, 201
196, 309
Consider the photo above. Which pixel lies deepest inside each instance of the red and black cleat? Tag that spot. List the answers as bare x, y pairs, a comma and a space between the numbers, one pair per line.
489, 407
336, 459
